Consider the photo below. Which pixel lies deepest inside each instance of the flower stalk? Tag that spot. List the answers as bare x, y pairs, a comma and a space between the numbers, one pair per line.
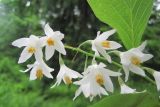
90, 54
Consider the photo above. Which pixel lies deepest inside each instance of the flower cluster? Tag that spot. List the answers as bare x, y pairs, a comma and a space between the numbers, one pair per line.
96, 78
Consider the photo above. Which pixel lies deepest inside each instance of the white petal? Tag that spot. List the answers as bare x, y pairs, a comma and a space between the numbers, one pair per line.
33, 39
108, 84
43, 41
60, 47
86, 89
55, 85
142, 46
33, 74
48, 30
93, 46
136, 52
98, 33
157, 79
102, 65
47, 67
110, 73
49, 52
24, 70
94, 87
77, 93
85, 79
38, 54
103, 91
47, 74
146, 57
46, 71
113, 45
24, 55
103, 53
60, 75
126, 71
30, 66
125, 58
105, 35
96, 54
126, 90
58, 35
91, 98
20, 42
73, 73
137, 70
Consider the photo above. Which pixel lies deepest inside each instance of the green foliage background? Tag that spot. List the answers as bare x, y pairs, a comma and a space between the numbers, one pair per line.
19, 18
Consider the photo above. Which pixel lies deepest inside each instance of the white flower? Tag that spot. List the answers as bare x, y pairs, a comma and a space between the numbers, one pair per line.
90, 91
66, 74
126, 89
32, 46
52, 41
100, 44
95, 81
156, 75
132, 59
38, 69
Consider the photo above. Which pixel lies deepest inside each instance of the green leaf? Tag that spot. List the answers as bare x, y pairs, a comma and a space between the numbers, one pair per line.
129, 100
128, 17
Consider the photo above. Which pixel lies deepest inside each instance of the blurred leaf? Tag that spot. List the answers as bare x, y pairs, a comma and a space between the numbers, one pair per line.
129, 100
128, 17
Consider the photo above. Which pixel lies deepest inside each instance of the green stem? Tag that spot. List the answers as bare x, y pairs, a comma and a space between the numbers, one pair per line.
83, 43
86, 62
91, 55
149, 70
147, 78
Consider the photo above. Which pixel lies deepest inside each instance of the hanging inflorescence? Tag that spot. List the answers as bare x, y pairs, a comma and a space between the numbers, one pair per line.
96, 78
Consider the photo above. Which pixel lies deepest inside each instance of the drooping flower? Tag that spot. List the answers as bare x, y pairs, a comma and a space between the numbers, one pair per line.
126, 89
132, 59
52, 41
32, 46
38, 70
96, 81
66, 74
89, 92
100, 44
156, 75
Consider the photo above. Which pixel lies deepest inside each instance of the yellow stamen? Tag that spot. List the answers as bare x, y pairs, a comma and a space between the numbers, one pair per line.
31, 50
100, 79
106, 44
39, 73
135, 60
68, 80
50, 42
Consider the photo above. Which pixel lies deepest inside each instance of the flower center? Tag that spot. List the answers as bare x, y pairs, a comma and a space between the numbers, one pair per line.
135, 60
68, 80
100, 79
50, 42
31, 50
39, 73
106, 44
